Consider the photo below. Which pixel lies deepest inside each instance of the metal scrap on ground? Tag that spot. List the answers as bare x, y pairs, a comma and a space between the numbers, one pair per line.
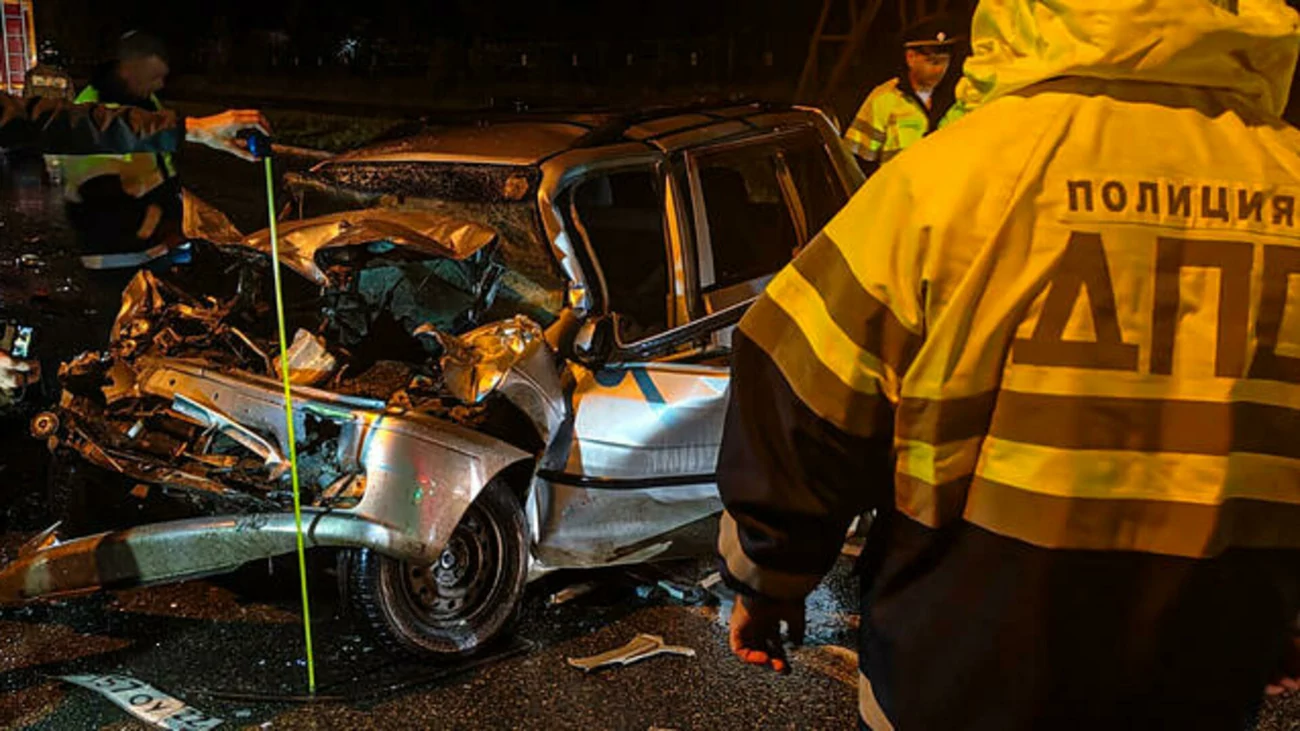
641, 647
569, 593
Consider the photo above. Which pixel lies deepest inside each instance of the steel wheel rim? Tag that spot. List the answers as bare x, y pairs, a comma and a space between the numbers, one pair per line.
458, 586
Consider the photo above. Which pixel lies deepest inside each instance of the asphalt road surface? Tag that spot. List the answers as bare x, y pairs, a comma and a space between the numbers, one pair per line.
232, 646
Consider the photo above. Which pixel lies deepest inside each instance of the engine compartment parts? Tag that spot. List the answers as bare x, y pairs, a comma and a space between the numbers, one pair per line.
310, 361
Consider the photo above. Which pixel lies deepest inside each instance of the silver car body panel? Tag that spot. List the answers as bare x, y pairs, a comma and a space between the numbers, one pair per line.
647, 420
637, 463
418, 473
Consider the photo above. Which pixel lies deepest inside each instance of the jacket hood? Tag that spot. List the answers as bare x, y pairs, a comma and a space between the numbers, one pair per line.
1244, 46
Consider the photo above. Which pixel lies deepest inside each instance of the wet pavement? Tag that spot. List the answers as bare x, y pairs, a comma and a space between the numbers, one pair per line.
232, 646
219, 645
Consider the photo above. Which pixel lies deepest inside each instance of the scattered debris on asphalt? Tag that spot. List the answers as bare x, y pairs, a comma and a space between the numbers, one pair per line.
679, 593
146, 702
569, 593
641, 647
691, 595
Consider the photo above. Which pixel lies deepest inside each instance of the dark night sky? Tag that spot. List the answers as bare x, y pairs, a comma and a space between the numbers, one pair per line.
72, 23
471, 42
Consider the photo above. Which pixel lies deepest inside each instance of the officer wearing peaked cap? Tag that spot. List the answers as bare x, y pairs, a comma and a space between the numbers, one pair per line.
919, 101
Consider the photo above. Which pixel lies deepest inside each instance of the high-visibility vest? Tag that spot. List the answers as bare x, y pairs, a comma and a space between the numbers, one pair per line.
890, 121
140, 172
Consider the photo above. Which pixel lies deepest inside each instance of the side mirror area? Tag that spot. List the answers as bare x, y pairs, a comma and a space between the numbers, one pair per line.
594, 342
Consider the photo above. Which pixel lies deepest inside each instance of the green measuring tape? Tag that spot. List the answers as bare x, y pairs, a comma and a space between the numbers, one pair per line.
288, 418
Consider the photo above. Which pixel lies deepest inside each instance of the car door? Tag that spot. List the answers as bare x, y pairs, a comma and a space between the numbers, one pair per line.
638, 458
638, 467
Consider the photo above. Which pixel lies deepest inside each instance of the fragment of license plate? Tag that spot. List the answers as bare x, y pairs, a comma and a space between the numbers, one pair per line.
146, 702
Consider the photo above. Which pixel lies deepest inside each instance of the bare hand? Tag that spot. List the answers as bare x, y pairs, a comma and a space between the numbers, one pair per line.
219, 130
15, 374
756, 630
1288, 680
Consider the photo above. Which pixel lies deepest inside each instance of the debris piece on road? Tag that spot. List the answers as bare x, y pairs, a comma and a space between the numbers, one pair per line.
569, 593
680, 593
146, 702
684, 594
682, 589
641, 647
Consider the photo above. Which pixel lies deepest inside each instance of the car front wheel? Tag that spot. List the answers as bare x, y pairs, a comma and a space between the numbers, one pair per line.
460, 602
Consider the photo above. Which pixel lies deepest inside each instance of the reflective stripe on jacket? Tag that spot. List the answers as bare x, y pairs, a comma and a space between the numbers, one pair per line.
139, 172
890, 121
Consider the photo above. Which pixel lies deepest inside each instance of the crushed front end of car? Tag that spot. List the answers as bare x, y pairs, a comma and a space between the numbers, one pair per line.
408, 405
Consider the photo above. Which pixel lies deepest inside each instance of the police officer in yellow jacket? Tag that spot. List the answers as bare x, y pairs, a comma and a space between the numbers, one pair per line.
126, 208
1055, 348
901, 111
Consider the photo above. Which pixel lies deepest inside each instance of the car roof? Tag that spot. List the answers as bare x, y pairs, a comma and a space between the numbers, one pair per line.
505, 143
533, 139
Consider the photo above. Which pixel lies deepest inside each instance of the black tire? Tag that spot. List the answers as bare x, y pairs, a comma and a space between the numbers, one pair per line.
457, 605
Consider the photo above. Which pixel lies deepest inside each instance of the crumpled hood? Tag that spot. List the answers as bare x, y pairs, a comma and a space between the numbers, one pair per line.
1251, 51
301, 241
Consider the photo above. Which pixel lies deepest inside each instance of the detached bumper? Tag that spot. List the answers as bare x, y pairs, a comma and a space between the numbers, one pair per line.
185, 549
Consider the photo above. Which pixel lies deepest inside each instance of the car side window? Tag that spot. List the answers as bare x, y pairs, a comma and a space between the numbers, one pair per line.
821, 193
621, 216
751, 232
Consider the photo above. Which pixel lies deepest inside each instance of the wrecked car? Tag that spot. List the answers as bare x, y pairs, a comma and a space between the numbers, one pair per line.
509, 355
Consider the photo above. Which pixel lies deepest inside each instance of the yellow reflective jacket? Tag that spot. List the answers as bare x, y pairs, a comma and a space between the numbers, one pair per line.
139, 172
891, 120
1058, 347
